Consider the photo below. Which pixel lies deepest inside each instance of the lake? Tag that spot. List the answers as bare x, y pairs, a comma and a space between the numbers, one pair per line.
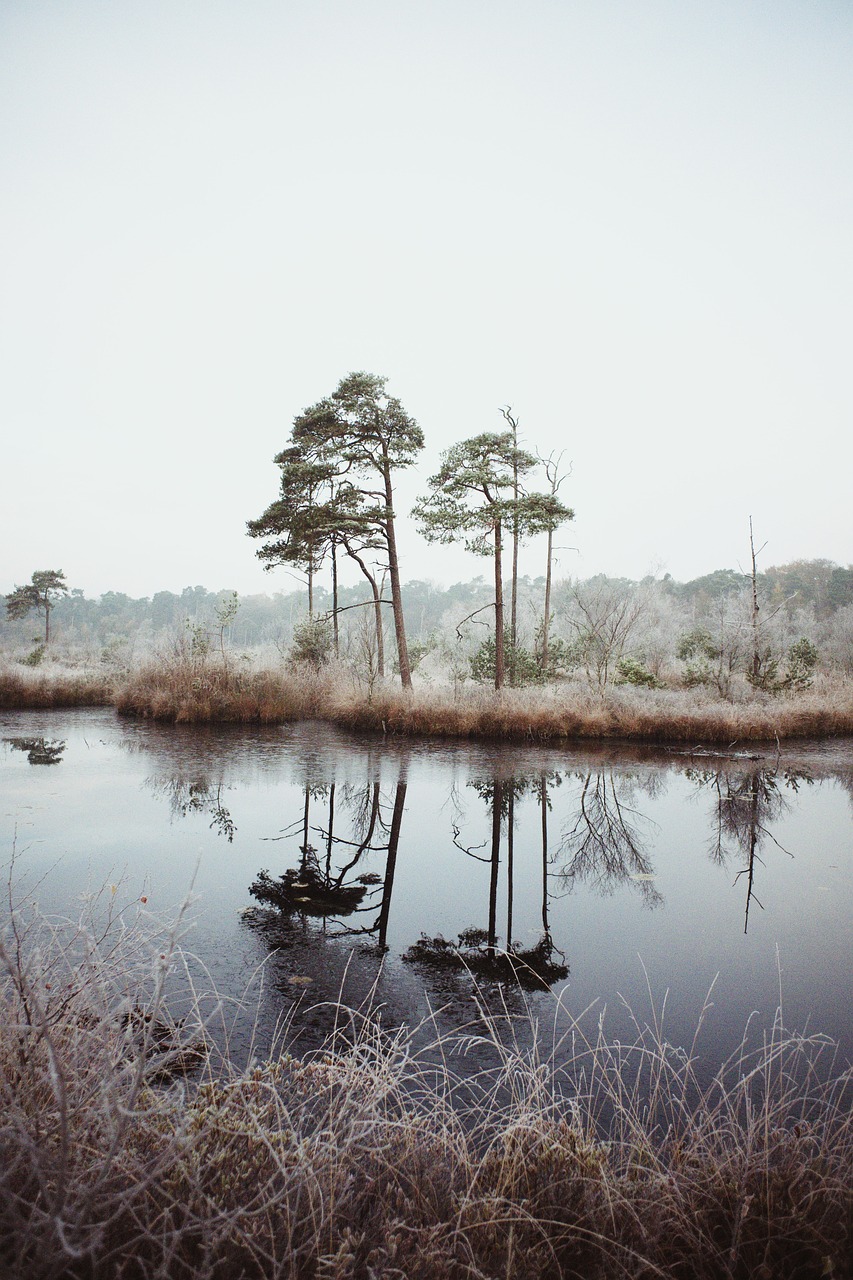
436, 879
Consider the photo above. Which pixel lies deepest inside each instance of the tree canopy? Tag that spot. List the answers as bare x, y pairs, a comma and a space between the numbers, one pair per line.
337, 488
39, 594
475, 495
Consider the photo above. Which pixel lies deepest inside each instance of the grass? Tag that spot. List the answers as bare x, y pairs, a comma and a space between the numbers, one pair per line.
208, 690
367, 1162
54, 686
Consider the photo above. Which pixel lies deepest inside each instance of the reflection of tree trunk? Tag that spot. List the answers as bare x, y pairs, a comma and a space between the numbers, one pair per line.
753, 841
497, 801
543, 802
391, 862
371, 827
510, 850
305, 815
330, 838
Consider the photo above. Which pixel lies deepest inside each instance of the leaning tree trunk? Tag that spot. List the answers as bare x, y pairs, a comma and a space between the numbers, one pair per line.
377, 609
394, 574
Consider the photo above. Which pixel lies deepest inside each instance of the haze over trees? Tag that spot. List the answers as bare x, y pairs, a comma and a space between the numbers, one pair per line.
45, 586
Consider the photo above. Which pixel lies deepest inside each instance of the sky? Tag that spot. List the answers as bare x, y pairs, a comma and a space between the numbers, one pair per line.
630, 220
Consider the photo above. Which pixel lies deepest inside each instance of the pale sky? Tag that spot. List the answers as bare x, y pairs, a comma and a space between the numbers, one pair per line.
628, 219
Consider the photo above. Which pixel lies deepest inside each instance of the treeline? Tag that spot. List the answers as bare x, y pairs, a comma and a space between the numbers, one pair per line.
648, 619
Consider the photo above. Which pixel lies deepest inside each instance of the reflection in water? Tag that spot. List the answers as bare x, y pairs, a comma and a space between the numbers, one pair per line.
528, 854
39, 750
195, 795
604, 844
316, 887
476, 950
744, 804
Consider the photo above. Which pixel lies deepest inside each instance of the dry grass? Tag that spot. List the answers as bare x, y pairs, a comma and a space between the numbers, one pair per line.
208, 690
573, 711
363, 1164
54, 686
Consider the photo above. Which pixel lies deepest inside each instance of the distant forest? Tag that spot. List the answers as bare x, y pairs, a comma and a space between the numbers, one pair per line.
812, 598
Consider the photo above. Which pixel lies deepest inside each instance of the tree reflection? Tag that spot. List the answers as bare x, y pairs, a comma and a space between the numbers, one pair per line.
39, 750
744, 803
195, 795
605, 844
476, 950
317, 887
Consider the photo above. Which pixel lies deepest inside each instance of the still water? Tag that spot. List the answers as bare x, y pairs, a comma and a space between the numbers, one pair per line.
427, 877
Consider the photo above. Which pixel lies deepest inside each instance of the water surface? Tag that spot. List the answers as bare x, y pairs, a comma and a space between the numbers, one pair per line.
426, 876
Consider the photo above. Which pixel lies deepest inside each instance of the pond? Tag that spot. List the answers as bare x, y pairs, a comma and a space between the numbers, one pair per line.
437, 879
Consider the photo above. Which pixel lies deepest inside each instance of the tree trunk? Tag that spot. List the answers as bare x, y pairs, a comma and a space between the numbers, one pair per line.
513, 622
756, 653
499, 609
394, 574
546, 621
335, 598
377, 608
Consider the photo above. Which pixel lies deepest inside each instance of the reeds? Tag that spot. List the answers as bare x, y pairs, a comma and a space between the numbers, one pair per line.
183, 690
211, 691
370, 1161
575, 712
54, 686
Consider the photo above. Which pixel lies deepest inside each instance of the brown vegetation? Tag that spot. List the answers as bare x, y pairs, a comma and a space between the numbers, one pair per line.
572, 711
206, 692
362, 1164
211, 691
22, 688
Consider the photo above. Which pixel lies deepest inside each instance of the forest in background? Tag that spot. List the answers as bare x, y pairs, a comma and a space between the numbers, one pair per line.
609, 629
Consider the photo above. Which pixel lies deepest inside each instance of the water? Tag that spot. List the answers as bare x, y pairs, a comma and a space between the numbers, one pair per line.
614, 878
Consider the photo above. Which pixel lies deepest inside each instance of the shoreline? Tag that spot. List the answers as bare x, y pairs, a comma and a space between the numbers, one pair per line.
562, 713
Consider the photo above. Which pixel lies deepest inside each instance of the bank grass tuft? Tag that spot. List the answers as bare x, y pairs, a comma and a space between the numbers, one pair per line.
54, 685
210, 691
125, 1150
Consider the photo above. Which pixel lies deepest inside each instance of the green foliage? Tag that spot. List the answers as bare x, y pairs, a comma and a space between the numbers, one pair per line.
39, 594
517, 658
472, 495
802, 660
35, 657
631, 671
767, 677
699, 650
312, 643
418, 650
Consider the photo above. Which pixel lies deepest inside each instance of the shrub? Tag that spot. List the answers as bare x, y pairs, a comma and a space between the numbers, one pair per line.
802, 660
312, 643
519, 663
631, 671
35, 657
